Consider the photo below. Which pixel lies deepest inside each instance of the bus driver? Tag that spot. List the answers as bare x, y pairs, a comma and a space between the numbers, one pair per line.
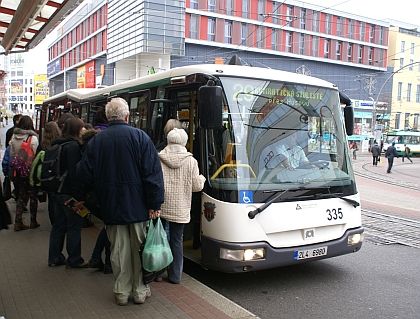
292, 155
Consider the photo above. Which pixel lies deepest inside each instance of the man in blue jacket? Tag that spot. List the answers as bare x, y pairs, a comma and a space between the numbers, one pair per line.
122, 164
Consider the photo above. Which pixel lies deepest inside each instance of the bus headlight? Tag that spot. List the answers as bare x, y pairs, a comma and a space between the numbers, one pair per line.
354, 239
242, 255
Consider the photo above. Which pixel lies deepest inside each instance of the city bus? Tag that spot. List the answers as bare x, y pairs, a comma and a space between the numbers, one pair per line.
411, 138
255, 212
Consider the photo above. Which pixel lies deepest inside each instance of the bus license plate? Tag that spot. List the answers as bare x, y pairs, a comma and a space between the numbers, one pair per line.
310, 253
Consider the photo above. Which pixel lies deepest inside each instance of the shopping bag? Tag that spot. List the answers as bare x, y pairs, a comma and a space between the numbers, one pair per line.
157, 253
379, 160
148, 276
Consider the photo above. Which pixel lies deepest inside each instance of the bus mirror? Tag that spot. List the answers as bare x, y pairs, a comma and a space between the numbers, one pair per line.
210, 107
349, 119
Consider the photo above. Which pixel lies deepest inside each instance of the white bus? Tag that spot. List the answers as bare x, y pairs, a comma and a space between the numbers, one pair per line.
411, 138
256, 211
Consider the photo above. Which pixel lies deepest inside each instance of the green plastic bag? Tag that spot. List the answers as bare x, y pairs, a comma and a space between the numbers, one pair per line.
157, 253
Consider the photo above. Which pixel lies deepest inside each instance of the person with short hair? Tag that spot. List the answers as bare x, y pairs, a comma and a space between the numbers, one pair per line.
376, 152
406, 153
390, 153
122, 164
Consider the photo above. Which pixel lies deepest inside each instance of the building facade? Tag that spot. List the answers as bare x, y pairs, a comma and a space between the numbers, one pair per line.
129, 38
404, 56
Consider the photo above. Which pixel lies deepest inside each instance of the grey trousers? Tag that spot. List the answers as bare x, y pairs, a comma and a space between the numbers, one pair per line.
125, 260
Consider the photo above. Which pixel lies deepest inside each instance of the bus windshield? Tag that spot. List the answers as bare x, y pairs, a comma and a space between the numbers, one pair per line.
276, 136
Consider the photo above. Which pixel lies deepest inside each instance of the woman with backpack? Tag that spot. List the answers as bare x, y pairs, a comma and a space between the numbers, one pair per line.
68, 223
24, 135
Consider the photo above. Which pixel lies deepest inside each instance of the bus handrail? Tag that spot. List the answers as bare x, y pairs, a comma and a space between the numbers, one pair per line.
232, 165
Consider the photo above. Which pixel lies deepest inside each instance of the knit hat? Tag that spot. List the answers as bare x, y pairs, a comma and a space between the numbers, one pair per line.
177, 136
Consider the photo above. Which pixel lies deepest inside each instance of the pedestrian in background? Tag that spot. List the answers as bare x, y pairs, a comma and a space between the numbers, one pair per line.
181, 179
390, 153
67, 223
406, 153
354, 148
9, 132
122, 164
24, 132
51, 132
376, 152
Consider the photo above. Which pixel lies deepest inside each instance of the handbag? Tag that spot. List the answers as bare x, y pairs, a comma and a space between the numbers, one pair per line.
7, 188
157, 253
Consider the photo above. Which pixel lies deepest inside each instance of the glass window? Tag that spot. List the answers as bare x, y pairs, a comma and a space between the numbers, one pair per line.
397, 121
289, 15
261, 10
371, 33
194, 27
370, 54
274, 39
381, 35
211, 29
315, 18
328, 24
409, 92
350, 29
288, 41
412, 48
245, 8
211, 5
399, 93
228, 31
339, 26
244, 33
411, 67
349, 52
260, 37
302, 19
401, 62
327, 49
229, 7
302, 44
138, 111
402, 46
338, 50
194, 4
315, 42
418, 93
276, 12
264, 128
362, 31
407, 124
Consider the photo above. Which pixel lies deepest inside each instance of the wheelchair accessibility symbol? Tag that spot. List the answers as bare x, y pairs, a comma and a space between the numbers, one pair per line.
245, 197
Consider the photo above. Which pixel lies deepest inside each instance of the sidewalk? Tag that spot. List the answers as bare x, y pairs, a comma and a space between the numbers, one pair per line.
29, 288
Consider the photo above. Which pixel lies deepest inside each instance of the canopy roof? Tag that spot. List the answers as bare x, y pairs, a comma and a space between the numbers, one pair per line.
24, 23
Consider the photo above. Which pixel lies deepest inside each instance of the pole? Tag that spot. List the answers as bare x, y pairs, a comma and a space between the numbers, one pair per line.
392, 74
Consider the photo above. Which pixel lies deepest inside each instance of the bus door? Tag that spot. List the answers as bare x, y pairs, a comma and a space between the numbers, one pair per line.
139, 104
186, 112
93, 108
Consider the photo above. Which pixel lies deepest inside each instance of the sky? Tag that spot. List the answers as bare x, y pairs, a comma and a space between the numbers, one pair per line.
401, 10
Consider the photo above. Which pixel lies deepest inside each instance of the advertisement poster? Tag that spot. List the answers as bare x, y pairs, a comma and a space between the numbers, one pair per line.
81, 77
90, 74
41, 89
16, 86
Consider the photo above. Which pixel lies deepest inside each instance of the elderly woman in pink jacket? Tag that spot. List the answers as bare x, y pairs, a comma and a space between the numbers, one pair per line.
181, 179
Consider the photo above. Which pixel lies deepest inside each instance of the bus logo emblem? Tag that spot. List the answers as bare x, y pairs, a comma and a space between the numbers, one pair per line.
309, 233
209, 212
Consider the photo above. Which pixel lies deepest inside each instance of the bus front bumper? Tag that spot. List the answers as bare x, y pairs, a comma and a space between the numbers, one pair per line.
275, 257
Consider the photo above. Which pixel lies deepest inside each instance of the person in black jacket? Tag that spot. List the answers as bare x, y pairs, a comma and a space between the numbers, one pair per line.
390, 153
66, 219
122, 164
376, 152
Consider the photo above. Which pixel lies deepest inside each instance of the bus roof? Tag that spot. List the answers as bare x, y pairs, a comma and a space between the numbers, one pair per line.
212, 69
401, 133
74, 94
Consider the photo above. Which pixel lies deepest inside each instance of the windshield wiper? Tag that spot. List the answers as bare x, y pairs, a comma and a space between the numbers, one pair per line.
255, 212
339, 195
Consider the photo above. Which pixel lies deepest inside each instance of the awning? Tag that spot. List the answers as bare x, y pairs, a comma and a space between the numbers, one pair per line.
25, 23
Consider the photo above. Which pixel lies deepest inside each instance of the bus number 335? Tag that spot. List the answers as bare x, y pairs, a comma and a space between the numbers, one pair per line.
334, 214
